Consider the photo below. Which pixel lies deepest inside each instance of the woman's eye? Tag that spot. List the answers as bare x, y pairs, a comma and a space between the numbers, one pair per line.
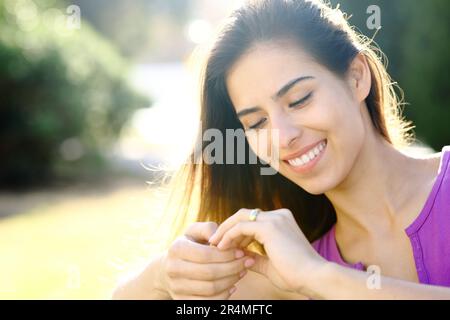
257, 125
301, 101
297, 103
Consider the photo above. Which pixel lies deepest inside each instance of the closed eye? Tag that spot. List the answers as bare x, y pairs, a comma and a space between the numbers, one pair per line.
258, 124
301, 101
297, 103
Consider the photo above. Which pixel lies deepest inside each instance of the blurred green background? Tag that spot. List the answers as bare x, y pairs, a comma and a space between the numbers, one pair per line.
93, 93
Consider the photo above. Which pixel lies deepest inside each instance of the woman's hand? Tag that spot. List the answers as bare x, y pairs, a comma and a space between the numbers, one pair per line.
192, 269
290, 260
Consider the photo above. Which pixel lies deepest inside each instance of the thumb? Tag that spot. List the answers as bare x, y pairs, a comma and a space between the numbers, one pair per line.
201, 231
261, 264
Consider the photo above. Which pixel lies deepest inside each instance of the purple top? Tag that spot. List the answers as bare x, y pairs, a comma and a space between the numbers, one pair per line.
429, 233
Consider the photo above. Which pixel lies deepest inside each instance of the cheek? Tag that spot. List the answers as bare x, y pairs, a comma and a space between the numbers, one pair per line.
341, 116
348, 126
261, 143
346, 136
342, 124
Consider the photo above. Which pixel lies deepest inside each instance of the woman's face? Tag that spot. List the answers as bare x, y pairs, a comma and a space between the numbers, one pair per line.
320, 122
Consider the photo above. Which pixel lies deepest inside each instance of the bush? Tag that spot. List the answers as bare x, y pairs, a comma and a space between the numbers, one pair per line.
64, 96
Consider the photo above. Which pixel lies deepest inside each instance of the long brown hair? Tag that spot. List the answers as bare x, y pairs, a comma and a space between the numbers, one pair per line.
213, 192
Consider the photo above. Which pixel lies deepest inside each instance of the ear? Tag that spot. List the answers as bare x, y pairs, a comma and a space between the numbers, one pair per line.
359, 77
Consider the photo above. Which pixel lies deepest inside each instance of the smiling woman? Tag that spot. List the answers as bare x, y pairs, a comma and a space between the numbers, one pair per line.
344, 193
287, 65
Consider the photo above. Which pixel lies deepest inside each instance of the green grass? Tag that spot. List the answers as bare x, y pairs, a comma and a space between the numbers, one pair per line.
78, 246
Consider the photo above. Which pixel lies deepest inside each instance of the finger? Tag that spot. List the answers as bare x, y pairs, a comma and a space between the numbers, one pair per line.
247, 228
201, 231
260, 263
246, 242
189, 250
221, 296
213, 271
203, 288
240, 215
237, 241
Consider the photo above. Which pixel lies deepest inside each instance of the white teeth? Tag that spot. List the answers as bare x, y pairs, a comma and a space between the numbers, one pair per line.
307, 157
316, 151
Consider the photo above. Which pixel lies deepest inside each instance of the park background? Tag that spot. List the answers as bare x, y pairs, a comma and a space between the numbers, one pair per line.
90, 107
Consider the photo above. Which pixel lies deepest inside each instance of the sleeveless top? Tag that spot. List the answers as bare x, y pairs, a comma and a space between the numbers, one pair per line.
429, 233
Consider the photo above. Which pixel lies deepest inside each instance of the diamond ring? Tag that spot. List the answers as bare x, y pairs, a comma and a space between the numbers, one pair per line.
253, 214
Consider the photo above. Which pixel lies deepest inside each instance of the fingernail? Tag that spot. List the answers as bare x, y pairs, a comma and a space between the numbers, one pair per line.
239, 254
249, 262
243, 273
233, 289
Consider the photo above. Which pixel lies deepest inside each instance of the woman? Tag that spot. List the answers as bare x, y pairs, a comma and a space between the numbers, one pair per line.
345, 199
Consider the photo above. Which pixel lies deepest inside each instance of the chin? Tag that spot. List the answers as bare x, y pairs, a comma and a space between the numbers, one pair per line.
315, 189
318, 185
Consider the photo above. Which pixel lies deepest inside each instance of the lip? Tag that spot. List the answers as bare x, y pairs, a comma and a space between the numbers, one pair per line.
302, 151
307, 167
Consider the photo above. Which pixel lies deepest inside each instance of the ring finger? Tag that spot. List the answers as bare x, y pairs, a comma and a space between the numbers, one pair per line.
203, 288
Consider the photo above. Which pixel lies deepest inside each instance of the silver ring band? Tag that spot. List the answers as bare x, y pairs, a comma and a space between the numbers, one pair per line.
253, 214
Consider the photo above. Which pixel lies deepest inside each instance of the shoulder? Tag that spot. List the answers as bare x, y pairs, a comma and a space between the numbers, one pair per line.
434, 172
439, 164
434, 212
443, 178
444, 162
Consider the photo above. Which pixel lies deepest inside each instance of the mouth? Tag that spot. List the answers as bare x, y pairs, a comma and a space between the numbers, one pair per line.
308, 159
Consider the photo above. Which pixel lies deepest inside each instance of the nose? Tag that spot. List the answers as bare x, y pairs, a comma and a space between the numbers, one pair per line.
288, 131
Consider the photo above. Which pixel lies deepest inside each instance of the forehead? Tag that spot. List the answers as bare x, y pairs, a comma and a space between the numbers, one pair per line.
261, 72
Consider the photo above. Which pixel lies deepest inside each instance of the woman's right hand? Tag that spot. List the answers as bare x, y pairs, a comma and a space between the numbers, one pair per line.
193, 269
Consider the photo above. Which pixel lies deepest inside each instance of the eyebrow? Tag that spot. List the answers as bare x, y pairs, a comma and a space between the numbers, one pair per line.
284, 89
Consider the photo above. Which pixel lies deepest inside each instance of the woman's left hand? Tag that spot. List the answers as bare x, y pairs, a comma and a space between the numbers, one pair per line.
290, 261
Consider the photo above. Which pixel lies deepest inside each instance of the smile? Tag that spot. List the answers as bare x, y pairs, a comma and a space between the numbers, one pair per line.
308, 159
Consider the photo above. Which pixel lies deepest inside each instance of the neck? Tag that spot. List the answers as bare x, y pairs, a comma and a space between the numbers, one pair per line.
373, 193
